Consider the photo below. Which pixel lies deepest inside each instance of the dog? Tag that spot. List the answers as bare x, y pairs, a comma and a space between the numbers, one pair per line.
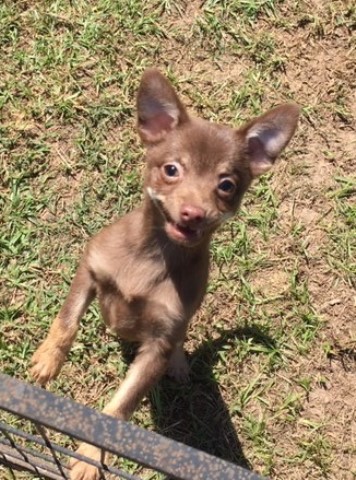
149, 270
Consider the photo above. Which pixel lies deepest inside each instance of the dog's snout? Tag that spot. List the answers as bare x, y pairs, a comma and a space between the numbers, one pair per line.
192, 214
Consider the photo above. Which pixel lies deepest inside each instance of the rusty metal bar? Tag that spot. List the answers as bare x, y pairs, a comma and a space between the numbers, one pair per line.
38, 441
6, 429
32, 458
50, 447
11, 459
118, 437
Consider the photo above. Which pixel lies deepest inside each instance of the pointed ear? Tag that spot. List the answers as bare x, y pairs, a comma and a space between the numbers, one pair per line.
266, 136
159, 109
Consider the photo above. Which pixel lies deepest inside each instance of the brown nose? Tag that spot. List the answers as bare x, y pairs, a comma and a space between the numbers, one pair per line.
190, 214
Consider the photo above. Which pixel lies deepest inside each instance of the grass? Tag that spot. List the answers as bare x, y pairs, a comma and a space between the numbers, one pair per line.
272, 349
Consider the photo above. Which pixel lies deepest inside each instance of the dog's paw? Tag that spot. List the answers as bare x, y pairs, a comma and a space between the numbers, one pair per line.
46, 363
178, 368
81, 470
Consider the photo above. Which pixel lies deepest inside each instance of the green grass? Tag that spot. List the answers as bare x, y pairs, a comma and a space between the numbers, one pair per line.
276, 329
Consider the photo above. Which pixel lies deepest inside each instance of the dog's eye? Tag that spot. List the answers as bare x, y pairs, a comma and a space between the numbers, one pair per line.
226, 186
171, 170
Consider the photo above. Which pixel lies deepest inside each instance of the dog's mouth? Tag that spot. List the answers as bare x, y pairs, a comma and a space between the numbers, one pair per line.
183, 234
178, 232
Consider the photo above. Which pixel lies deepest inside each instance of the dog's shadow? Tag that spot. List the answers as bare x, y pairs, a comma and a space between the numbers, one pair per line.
196, 413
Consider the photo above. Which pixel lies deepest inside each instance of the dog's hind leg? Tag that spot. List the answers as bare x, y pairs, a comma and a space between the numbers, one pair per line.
147, 368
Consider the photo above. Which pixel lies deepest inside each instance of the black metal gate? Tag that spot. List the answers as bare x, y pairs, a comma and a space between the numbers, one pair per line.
38, 454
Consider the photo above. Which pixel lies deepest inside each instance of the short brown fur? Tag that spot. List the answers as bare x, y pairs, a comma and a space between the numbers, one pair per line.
149, 270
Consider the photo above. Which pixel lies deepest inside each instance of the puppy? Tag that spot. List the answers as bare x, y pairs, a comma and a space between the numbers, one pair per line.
149, 270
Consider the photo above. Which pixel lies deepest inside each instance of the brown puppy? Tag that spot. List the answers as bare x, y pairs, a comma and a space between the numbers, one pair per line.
149, 270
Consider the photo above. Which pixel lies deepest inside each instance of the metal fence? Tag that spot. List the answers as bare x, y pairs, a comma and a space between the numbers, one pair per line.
44, 413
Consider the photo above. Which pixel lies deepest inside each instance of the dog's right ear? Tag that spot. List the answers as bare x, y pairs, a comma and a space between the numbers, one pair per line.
159, 109
266, 136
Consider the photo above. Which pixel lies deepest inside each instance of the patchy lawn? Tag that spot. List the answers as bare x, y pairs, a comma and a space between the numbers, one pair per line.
273, 349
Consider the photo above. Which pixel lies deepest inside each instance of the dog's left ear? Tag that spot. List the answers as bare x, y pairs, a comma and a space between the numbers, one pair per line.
159, 109
266, 136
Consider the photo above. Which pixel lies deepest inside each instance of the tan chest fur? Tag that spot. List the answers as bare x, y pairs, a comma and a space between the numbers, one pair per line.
140, 295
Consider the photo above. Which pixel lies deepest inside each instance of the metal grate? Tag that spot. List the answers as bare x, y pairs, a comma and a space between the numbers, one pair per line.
38, 454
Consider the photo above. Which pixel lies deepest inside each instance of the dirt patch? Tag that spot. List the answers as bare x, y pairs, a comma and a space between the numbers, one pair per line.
270, 283
332, 406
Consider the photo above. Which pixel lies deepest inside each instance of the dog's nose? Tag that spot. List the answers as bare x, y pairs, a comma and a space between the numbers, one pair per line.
192, 215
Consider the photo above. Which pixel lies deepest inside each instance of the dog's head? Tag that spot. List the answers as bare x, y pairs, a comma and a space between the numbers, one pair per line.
198, 171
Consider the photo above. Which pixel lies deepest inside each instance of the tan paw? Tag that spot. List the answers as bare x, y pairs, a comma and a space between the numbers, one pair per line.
46, 363
178, 368
82, 470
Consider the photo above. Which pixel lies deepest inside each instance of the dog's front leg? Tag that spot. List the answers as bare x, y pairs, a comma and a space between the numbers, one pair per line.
178, 366
49, 357
147, 368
